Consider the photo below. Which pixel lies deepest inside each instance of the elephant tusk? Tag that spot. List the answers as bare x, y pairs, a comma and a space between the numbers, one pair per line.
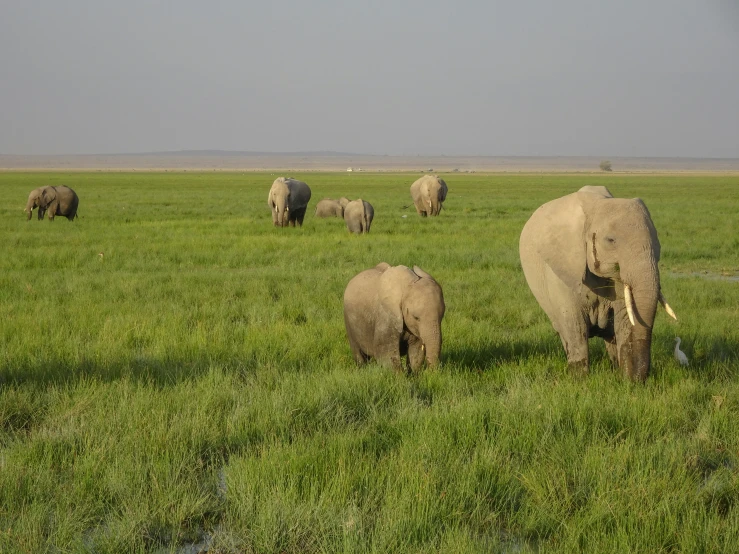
666, 306
423, 348
629, 303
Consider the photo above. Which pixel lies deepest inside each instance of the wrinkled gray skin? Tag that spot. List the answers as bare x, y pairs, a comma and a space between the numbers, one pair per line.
428, 193
577, 253
358, 216
54, 201
390, 312
288, 200
329, 208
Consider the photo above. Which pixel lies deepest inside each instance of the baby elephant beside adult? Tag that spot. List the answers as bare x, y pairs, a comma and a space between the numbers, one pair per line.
54, 200
390, 312
328, 207
358, 216
428, 193
591, 261
288, 200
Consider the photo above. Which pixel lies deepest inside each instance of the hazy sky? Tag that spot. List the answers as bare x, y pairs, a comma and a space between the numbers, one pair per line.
487, 77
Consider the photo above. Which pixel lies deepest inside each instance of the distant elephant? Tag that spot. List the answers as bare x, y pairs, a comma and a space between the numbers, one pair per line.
428, 193
329, 208
391, 312
358, 216
591, 262
288, 200
54, 200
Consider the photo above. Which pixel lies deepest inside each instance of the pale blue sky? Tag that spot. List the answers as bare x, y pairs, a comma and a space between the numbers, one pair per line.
538, 77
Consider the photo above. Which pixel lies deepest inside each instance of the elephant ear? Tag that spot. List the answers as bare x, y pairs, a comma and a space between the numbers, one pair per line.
46, 196
561, 243
422, 274
394, 283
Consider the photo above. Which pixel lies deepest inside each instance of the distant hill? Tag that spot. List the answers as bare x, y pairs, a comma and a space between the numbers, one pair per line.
231, 153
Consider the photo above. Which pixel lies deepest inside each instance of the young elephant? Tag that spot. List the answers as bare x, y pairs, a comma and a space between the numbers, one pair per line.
329, 208
288, 200
428, 193
391, 312
54, 200
591, 261
358, 216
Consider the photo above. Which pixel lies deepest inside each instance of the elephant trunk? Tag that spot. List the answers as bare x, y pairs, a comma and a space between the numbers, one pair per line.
435, 209
641, 291
280, 211
431, 337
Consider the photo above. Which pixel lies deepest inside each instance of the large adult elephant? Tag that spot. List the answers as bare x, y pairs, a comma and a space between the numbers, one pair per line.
59, 200
358, 216
591, 261
391, 312
288, 200
428, 193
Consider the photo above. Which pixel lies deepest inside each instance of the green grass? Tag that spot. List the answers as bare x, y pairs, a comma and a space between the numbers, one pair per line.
195, 385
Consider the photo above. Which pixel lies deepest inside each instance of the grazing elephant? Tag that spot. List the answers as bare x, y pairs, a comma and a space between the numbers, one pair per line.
288, 200
358, 215
329, 208
390, 312
591, 262
54, 200
344, 201
428, 193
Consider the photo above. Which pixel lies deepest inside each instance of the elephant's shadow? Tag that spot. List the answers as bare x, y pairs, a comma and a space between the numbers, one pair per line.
485, 356
149, 370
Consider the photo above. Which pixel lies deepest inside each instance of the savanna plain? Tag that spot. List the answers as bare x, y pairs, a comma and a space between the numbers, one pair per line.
175, 377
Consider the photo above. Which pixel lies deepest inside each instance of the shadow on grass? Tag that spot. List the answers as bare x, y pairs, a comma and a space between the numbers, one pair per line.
153, 371
485, 356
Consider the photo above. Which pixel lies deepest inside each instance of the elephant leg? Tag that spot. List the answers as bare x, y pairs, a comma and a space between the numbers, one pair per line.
53, 209
359, 356
41, 214
300, 215
569, 320
612, 349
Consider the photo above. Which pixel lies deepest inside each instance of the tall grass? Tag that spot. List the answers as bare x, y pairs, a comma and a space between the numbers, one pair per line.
194, 386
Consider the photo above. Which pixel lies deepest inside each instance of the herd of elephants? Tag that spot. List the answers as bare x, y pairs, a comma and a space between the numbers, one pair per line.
591, 261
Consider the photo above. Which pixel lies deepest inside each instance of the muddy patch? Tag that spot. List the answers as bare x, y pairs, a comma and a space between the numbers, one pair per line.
707, 275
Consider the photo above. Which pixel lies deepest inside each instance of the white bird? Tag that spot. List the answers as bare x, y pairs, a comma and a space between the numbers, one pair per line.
680, 356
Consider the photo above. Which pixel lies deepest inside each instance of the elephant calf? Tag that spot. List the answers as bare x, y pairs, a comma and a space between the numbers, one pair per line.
428, 193
54, 200
288, 199
329, 207
391, 312
358, 216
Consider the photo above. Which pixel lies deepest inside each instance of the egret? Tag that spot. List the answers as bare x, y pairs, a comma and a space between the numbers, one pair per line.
680, 356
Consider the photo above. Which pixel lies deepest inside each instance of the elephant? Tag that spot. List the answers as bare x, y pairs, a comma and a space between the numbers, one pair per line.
591, 261
391, 312
288, 199
358, 216
59, 200
344, 201
428, 193
329, 208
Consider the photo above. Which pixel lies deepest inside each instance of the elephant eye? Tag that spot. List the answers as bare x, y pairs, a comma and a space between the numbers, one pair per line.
611, 240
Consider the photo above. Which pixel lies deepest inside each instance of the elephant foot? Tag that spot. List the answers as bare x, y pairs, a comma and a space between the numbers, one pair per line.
579, 368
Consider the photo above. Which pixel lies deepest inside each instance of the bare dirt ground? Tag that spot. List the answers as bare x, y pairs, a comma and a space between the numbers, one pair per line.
239, 161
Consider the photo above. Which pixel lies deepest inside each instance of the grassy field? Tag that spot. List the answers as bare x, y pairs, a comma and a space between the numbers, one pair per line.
175, 377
